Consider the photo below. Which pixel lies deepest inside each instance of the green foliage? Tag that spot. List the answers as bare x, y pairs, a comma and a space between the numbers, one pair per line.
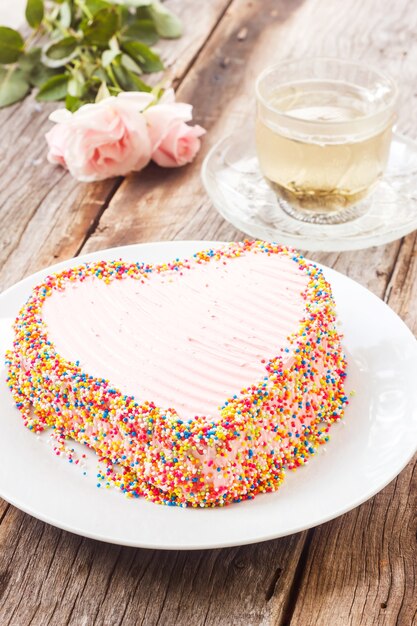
61, 50
13, 86
147, 60
102, 27
167, 24
141, 30
34, 12
36, 73
91, 49
11, 45
55, 88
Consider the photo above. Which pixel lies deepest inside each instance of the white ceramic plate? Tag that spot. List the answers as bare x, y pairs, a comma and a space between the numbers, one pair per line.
373, 444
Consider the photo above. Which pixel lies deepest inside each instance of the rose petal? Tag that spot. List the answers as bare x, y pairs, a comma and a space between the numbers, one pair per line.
113, 137
162, 117
179, 147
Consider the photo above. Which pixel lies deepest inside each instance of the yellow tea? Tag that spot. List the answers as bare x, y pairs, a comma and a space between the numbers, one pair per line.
323, 132
315, 171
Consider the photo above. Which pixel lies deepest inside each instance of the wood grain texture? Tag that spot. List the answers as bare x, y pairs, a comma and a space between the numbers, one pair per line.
45, 215
358, 569
53, 577
221, 87
361, 568
352, 585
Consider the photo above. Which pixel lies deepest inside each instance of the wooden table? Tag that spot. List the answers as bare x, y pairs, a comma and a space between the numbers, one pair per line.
359, 569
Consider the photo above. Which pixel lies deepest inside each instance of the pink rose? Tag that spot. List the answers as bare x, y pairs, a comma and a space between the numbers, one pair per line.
174, 143
57, 139
108, 138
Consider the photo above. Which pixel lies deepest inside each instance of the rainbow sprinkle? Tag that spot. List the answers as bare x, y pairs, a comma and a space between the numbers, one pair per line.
273, 425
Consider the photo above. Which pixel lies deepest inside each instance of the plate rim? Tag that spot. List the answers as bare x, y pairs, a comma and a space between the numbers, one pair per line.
195, 244
299, 241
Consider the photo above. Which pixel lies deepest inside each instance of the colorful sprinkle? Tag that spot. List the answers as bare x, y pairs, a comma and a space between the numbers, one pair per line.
274, 425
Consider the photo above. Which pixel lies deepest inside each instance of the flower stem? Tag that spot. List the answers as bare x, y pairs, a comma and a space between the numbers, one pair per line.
84, 9
32, 36
112, 77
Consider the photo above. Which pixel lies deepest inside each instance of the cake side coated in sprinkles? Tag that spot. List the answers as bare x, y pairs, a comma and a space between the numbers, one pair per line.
272, 424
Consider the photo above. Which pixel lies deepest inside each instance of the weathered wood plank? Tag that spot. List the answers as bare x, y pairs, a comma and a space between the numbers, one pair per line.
45, 214
361, 568
353, 562
83, 582
401, 293
24, 539
283, 558
53, 577
221, 87
198, 23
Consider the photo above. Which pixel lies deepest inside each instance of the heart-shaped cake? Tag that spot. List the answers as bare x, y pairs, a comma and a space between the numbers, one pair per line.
197, 381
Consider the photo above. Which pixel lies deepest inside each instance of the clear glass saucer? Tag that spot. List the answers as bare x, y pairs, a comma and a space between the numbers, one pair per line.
235, 185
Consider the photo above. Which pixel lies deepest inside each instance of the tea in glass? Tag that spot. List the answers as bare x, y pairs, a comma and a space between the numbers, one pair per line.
323, 133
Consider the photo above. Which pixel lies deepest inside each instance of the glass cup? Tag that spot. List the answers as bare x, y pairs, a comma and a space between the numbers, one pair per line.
323, 132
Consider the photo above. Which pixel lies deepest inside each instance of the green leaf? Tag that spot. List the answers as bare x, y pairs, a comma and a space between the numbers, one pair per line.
11, 45
54, 89
62, 49
13, 86
34, 12
72, 103
59, 53
142, 30
109, 56
75, 89
40, 74
29, 60
100, 74
114, 44
129, 81
137, 84
142, 13
91, 88
126, 15
148, 60
130, 64
94, 6
132, 3
35, 72
65, 15
76, 84
101, 28
103, 92
166, 23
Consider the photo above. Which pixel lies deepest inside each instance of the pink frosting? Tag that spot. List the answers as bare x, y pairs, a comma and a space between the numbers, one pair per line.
186, 342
